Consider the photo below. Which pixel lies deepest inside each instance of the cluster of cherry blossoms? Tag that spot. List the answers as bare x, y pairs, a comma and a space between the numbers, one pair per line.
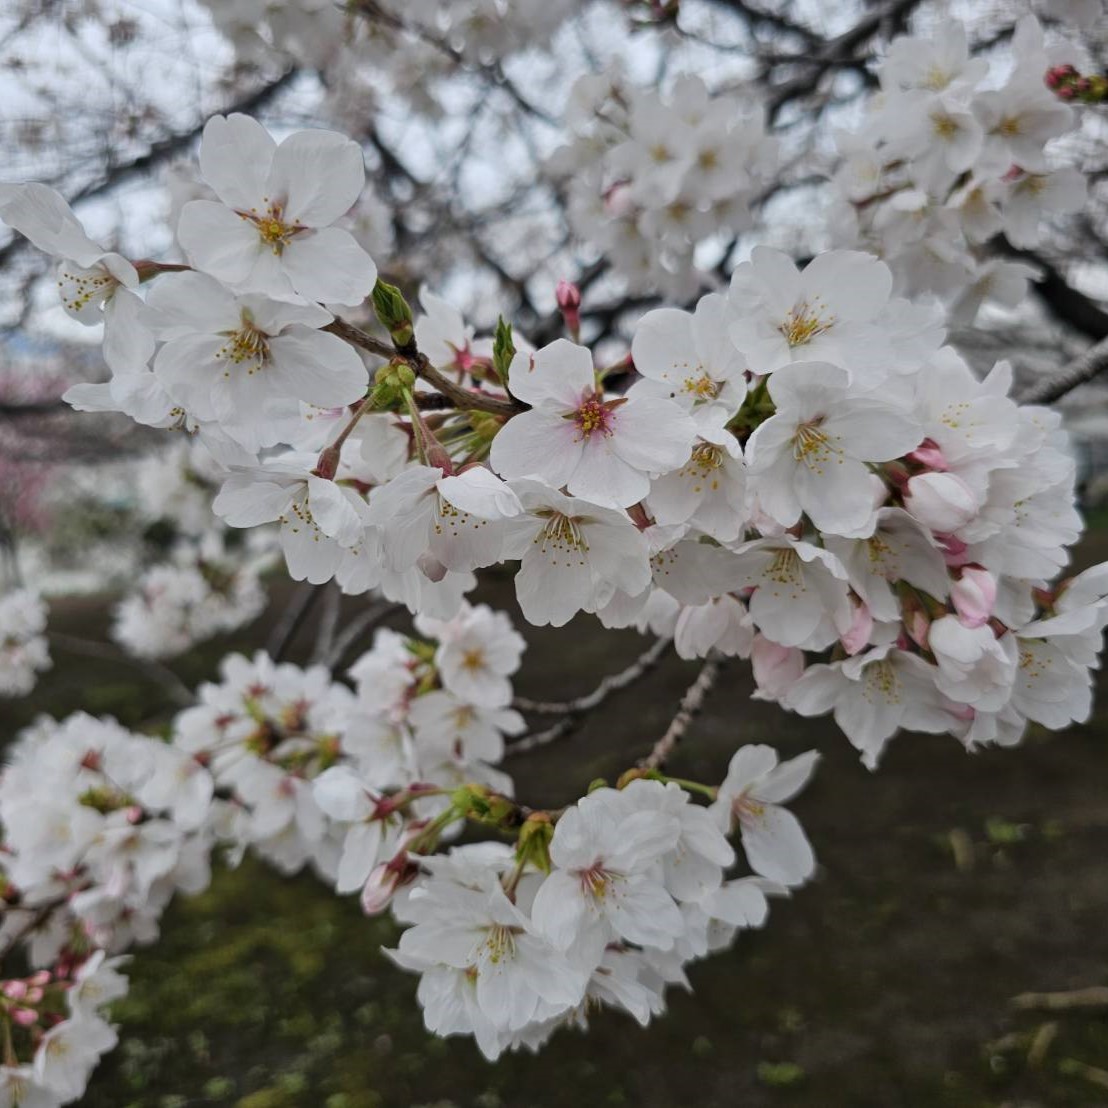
604, 908
201, 592
951, 157
651, 175
55, 1030
104, 822
799, 472
24, 652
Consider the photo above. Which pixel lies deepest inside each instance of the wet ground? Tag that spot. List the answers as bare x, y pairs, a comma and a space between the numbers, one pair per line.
949, 883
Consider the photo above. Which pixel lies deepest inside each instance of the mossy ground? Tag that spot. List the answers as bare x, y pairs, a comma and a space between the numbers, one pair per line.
948, 884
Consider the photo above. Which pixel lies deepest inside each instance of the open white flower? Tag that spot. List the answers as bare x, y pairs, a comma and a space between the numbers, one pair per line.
229, 358
811, 456
600, 449
575, 555
800, 592
825, 313
873, 695
751, 797
455, 521
94, 284
318, 518
272, 231
689, 357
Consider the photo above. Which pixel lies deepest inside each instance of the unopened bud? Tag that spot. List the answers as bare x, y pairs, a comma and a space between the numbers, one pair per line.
384, 880
776, 668
857, 635
503, 350
568, 296
942, 502
394, 313
974, 596
929, 455
328, 464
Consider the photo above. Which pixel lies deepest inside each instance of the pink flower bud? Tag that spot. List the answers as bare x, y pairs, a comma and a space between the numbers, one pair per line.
25, 1017
930, 455
383, 882
942, 502
568, 296
1066, 92
14, 990
974, 596
776, 667
954, 550
857, 635
34, 995
431, 567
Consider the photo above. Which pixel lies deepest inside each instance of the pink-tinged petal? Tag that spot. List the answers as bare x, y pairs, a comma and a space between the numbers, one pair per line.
188, 370
537, 443
127, 343
190, 303
602, 477
558, 909
316, 368
219, 242
785, 780
333, 511
235, 155
317, 175
776, 846
873, 431
653, 435
853, 285
774, 276
557, 375
244, 501
329, 265
359, 856
664, 349
42, 215
481, 494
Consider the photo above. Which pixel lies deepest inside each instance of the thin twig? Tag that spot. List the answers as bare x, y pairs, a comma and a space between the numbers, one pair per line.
691, 703
296, 611
571, 711
328, 623
1093, 996
358, 626
608, 685
1093, 362
106, 651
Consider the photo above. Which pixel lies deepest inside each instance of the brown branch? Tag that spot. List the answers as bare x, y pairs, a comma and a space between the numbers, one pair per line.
838, 52
1094, 996
468, 399
641, 666
1092, 363
572, 711
1061, 299
691, 703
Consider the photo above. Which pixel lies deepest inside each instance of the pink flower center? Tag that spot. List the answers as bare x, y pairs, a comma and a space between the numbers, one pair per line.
593, 416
